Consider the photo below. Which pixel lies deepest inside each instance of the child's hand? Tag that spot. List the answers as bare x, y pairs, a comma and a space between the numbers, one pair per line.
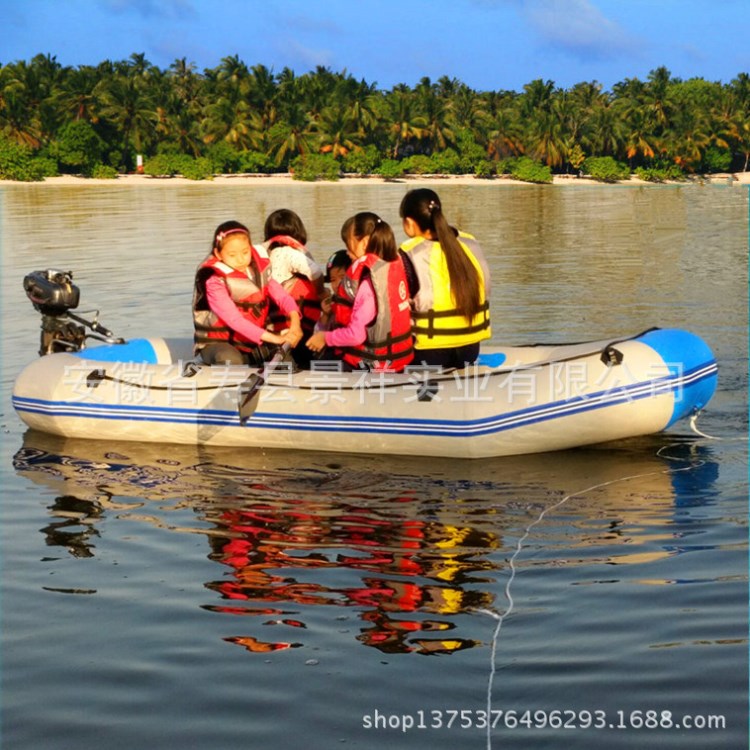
317, 342
292, 335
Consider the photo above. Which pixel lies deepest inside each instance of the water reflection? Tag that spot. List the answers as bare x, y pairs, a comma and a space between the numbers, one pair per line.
408, 551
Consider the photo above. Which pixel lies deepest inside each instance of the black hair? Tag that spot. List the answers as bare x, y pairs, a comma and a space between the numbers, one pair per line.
423, 207
284, 222
367, 224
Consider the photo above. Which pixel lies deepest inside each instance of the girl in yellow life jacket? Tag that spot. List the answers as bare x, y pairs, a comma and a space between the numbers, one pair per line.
449, 284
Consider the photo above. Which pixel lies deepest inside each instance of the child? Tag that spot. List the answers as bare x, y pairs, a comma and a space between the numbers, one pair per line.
452, 290
232, 292
336, 268
335, 272
294, 268
372, 322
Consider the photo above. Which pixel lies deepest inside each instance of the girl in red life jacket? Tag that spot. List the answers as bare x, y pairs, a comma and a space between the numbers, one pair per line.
372, 318
295, 269
233, 289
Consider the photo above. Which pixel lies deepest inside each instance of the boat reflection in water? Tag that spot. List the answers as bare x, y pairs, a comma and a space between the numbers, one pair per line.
410, 549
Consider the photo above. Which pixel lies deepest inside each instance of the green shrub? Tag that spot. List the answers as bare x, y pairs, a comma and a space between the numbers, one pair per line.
44, 166
528, 170
171, 164
78, 147
660, 174
484, 169
605, 169
390, 169
312, 167
717, 159
161, 165
103, 172
504, 166
224, 159
254, 161
418, 164
17, 163
470, 153
576, 157
362, 161
446, 162
197, 169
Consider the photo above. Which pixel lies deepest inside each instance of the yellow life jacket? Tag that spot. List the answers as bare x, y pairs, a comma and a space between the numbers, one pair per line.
436, 324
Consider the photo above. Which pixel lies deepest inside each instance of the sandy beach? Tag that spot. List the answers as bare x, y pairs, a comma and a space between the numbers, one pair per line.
737, 178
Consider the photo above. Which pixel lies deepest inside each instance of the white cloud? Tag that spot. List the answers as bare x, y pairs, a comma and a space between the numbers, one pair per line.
307, 57
579, 28
178, 9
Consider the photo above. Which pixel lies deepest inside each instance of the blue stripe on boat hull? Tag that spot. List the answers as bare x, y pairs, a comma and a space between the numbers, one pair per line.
690, 388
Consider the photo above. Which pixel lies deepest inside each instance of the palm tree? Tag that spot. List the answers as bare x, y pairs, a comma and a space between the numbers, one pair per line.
434, 110
338, 134
262, 94
639, 139
19, 96
406, 125
185, 83
605, 132
504, 138
536, 97
658, 97
688, 139
231, 121
128, 106
74, 97
290, 136
234, 72
546, 140
465, 108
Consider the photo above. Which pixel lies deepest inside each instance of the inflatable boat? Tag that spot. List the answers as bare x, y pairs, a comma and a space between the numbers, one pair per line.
514, 400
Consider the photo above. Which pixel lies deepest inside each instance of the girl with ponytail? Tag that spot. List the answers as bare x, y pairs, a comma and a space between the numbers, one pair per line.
370, 308
452, 286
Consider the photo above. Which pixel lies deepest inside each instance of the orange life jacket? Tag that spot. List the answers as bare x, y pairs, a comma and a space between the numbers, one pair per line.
389, 343
301, 289
247, 290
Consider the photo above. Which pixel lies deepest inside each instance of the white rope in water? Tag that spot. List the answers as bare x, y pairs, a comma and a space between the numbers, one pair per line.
695, 429
519, 546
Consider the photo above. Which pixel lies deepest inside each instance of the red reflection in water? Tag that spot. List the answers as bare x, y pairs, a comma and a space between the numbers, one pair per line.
414, 567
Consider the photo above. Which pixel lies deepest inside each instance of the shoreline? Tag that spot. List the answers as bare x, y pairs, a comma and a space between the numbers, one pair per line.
725, 179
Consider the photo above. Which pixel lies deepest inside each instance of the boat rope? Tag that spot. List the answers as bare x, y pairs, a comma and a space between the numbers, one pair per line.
500, 618
694, 428
428, 379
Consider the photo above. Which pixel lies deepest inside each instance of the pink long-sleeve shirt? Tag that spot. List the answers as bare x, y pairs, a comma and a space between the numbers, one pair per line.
221, 304
364, 311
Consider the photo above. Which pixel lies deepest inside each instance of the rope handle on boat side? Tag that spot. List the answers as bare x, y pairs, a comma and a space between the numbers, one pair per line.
611, 356
96, 377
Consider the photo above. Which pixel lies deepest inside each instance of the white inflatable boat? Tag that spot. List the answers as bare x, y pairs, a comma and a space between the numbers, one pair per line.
515, 400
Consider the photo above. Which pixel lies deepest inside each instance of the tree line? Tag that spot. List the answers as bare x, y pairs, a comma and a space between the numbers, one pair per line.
95, 120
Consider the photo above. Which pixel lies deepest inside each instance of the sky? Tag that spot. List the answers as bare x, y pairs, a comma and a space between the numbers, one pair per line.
490, 45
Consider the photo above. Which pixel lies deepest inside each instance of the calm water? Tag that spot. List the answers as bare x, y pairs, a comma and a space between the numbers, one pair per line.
174, 597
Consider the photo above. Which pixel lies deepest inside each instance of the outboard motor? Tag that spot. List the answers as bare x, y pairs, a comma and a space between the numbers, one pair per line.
54, 295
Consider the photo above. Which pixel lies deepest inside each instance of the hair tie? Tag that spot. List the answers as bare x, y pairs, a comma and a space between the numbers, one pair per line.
432, 205
221, 236
378, 220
